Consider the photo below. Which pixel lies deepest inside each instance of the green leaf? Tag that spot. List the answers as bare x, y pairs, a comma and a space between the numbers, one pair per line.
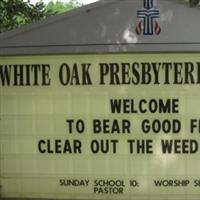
194, 3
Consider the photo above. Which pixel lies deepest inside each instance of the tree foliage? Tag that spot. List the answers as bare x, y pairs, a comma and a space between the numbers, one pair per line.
15, 13
59, 7
194, 3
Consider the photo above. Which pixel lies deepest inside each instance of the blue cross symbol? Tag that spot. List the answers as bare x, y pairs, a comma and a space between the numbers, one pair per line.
148, 14
148, 4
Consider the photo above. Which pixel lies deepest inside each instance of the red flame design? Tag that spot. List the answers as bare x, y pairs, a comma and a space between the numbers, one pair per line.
157, 28
138, 29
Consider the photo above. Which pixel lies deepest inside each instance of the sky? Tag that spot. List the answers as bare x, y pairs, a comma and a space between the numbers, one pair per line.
81, 1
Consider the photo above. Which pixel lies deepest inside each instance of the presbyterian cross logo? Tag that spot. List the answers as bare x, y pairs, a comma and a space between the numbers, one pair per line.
148, 25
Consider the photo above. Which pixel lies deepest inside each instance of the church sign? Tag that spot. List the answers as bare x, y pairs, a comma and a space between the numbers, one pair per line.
100, 126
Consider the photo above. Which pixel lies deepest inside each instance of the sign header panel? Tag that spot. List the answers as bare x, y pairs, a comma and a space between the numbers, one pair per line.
100, 126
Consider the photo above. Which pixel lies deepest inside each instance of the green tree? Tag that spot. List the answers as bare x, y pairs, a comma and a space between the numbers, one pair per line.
59, 7
194, 3
15, 13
